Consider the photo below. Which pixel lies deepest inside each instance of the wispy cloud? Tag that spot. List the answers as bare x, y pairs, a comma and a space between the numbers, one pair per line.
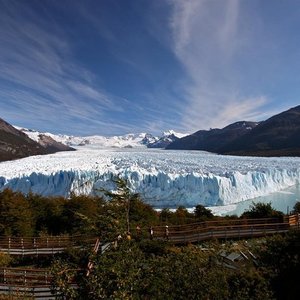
207, 37
39, 75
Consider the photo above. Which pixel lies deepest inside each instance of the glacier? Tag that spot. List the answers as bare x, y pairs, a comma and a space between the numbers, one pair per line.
164, 179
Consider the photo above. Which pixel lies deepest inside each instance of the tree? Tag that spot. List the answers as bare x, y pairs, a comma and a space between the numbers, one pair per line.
15, 214
121, 199
180, 215
48, 214
261, 210
280, 263
141, 213
82, 213
202, 213
165, 215
296, 209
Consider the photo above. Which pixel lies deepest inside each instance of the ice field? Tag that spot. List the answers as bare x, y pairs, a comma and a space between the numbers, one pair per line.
163, 178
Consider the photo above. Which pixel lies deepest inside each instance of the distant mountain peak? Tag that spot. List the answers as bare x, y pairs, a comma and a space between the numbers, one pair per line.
129, 140
172, 132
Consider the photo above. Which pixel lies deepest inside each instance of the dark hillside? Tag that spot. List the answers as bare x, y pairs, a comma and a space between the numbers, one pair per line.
279, 135
51, 145
212, 140
15, 144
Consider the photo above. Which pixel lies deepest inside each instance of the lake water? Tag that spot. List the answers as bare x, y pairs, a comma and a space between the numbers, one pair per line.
283, 201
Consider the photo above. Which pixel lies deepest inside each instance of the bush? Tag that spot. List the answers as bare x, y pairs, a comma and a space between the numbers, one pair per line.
5, 260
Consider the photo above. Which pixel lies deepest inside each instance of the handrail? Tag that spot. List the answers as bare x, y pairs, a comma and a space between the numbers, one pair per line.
218, 223
221, 228
16, 278
38, 246
43, 242
25, 277
198, 233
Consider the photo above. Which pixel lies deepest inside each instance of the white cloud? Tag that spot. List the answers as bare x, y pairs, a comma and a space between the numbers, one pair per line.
206, 39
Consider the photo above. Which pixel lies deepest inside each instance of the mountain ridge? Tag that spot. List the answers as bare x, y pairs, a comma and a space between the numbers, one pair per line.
277, 136
130, 140
211, 140
16, 144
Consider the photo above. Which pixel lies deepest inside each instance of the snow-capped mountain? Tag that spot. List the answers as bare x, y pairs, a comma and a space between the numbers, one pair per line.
61, 138
166, 139
177, 134
149, 139
130, 140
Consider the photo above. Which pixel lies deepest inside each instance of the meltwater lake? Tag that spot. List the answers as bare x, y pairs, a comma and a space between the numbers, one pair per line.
283, 201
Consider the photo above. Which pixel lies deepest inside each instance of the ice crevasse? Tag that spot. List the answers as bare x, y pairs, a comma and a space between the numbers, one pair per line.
185, 179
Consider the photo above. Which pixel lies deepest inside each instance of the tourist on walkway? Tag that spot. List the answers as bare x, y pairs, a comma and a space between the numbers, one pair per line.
167, 232
151, 233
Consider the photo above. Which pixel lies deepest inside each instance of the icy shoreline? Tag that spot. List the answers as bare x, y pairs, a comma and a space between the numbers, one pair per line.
163, 178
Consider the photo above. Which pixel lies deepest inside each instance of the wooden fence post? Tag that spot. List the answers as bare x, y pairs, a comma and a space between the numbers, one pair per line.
24, 277
22, 246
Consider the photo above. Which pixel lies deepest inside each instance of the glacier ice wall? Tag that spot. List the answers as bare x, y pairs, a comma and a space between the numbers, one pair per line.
162, 190
163, 178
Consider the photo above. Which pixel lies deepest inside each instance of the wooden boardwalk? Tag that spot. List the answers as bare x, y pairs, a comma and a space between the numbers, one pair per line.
227, 229
37, 282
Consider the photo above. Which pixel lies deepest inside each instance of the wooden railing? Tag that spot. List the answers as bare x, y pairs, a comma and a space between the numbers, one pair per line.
223, 222
28, 277
240, 228
42, 245
293, 220
34, 283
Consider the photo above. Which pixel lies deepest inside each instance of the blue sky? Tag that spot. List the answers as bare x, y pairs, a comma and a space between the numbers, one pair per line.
114, 66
